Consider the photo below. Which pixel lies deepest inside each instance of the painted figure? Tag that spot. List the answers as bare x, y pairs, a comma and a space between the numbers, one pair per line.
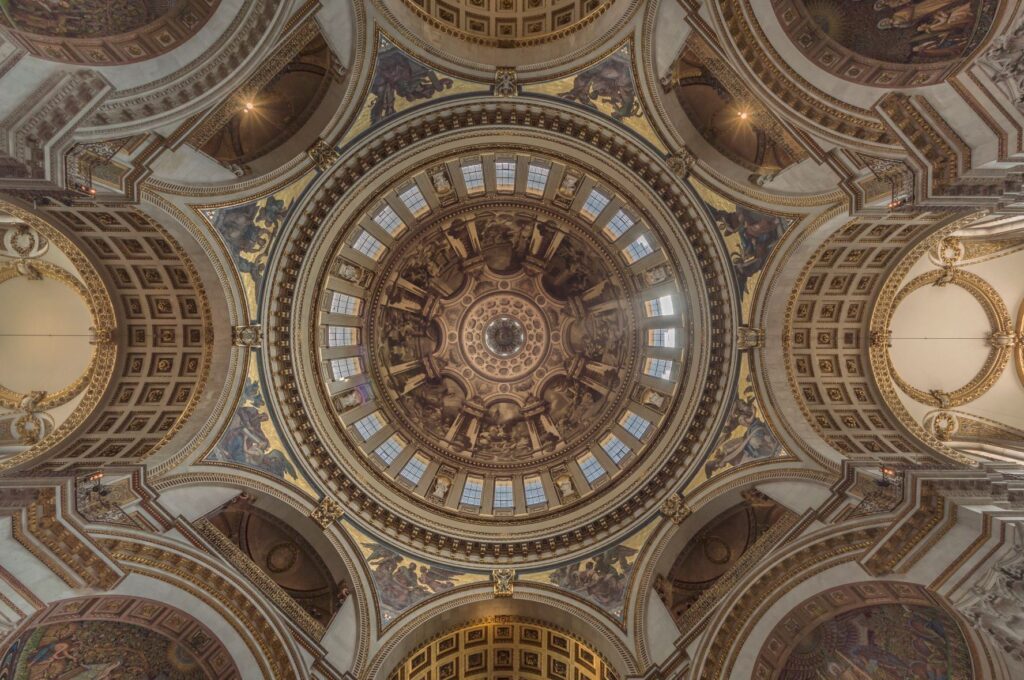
610, 82
398, 75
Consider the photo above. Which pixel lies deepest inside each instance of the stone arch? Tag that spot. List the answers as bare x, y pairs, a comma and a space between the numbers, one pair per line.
162, 329
479, 604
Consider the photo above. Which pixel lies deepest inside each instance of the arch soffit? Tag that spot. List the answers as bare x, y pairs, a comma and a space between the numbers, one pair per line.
476, 602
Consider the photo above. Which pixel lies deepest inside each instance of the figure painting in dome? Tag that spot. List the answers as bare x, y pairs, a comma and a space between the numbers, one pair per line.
248, 231
82, 18
97, 650
603, 578
746, 437
611, 83
756, 232
903, 31
750, 235
400, 76
401, 82
607, 87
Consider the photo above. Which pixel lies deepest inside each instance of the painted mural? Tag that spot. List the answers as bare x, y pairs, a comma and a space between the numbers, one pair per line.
602, 579
97, 650
745, 436
750, 236
903, 31
252, 440
83, 18
248, 232
401, 82
609, 88
882, 642
401, 581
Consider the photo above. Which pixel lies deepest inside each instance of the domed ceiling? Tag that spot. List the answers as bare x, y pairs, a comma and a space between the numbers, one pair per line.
507, 336
104, 31
587, 339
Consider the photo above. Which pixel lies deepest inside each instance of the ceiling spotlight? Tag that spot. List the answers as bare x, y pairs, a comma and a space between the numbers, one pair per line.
744, 115
249, 106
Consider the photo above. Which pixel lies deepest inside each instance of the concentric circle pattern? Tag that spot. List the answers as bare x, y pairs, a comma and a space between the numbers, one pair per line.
510, 339
513, 268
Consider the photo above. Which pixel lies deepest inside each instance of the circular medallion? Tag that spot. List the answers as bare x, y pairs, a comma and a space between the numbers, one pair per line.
504, 336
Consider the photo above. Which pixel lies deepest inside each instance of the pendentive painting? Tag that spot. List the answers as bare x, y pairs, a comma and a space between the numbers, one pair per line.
248, 231
400, 581
607, 87
602, 579
82, 650
252, 440
401, 82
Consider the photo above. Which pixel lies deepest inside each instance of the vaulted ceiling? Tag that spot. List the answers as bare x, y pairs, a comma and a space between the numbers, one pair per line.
487, 338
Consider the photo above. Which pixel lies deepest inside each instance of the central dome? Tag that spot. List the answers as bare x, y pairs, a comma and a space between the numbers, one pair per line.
505, 335
490, 347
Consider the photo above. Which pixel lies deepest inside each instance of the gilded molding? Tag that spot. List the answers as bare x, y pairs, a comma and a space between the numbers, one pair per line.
327, 512
676, 509
494, 111
504, 581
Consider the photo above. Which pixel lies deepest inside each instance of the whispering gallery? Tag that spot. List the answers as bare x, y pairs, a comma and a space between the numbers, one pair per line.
512, 339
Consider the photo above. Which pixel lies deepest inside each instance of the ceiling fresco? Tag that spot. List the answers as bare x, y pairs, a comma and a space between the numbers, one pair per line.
608, 87
533, 267
87, 19
399, 83
252, 439
248, 230
402, 581
104, 32
506, 339
886, 641
603, 578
